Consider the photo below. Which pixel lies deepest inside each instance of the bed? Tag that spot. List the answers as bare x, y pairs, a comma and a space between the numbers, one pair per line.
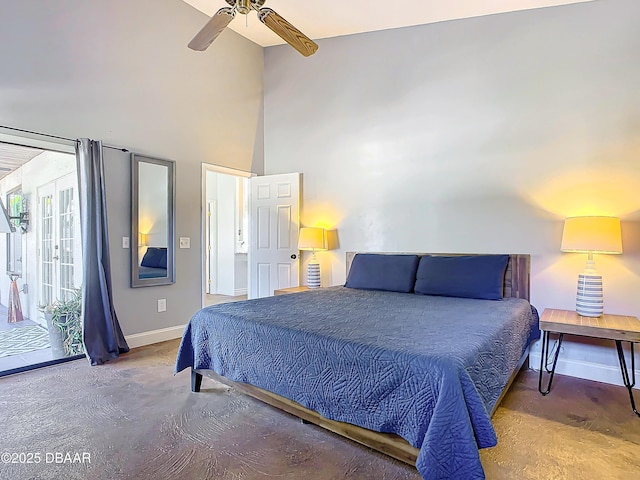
387, 360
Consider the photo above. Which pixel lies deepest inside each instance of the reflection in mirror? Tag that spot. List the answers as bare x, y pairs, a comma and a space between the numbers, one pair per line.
152, 226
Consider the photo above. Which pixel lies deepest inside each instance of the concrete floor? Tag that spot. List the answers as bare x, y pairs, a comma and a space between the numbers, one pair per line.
132, 418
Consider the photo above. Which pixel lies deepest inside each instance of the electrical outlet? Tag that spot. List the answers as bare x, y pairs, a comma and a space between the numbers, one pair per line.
125, 242
162, 305
185, 242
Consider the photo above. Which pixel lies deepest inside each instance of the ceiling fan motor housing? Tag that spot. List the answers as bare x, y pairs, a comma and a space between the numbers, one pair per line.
243, 6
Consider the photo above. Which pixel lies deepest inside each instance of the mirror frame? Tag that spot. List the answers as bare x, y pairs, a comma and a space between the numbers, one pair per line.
136, 281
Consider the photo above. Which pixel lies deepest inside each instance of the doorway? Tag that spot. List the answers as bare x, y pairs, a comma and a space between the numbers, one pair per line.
250, 236
42, 249
225, 224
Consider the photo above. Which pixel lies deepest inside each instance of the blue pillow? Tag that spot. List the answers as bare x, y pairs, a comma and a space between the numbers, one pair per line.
468, 276
163, 260
393, 273
153, 257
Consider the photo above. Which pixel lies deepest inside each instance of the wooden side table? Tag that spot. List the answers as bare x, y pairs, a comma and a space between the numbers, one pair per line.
285, 291
620, 328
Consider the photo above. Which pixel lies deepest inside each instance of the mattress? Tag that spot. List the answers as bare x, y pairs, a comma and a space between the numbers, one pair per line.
427, 368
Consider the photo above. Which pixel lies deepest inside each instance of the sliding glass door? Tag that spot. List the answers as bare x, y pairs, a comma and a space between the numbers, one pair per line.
43, 258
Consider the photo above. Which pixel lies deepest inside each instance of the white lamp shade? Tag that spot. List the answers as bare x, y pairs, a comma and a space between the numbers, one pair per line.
592, 234
312, 238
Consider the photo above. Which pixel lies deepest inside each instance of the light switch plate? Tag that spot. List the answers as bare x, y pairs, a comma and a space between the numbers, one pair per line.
162, 305
185, 242
125, 242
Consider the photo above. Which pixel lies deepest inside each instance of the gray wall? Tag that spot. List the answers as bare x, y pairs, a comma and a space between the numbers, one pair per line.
478, 135
120, 71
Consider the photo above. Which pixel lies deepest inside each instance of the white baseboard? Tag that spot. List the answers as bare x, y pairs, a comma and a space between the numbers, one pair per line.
240, 291
587, 370
154, 336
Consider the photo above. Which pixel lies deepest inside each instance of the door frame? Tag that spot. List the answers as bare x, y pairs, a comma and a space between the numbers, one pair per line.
211, 236
209, 167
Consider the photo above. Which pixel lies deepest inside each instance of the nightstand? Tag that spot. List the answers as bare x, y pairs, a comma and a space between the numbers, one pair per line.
285, 291
620, 328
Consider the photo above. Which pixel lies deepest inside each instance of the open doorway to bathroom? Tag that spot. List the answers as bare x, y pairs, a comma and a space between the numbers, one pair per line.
225, 225
41, 247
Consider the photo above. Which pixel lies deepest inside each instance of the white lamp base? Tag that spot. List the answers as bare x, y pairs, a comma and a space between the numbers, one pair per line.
589, 301
313, 275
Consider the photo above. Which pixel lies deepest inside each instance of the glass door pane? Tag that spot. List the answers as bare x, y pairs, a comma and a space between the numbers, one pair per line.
47, 249
65, 222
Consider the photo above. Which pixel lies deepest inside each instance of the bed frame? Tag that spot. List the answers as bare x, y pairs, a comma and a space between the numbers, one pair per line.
516, 285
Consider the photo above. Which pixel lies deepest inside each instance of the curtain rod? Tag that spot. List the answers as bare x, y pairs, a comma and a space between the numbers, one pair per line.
59, 138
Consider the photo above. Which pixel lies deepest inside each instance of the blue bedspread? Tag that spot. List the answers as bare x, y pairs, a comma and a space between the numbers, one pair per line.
429, 369
150, 272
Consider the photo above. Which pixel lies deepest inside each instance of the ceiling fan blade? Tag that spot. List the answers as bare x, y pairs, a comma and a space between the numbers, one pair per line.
212, 29
287, 32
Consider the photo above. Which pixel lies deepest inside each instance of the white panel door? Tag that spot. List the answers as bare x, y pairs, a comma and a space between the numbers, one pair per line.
274, 224
59, 242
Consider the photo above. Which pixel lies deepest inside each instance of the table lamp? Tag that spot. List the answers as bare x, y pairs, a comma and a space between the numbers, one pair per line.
591, 235
312, 238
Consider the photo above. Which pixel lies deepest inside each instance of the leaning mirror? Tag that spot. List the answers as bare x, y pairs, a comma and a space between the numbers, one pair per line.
152, 221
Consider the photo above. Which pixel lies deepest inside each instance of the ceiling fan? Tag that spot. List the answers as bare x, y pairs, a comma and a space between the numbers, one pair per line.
271, 19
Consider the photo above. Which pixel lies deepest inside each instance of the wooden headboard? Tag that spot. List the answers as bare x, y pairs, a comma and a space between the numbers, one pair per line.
516, 278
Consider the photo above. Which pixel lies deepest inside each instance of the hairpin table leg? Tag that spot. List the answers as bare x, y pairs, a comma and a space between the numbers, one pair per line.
544, 364
629, 382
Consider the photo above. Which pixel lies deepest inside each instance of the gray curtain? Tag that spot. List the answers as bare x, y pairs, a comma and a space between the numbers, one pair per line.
103, 338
